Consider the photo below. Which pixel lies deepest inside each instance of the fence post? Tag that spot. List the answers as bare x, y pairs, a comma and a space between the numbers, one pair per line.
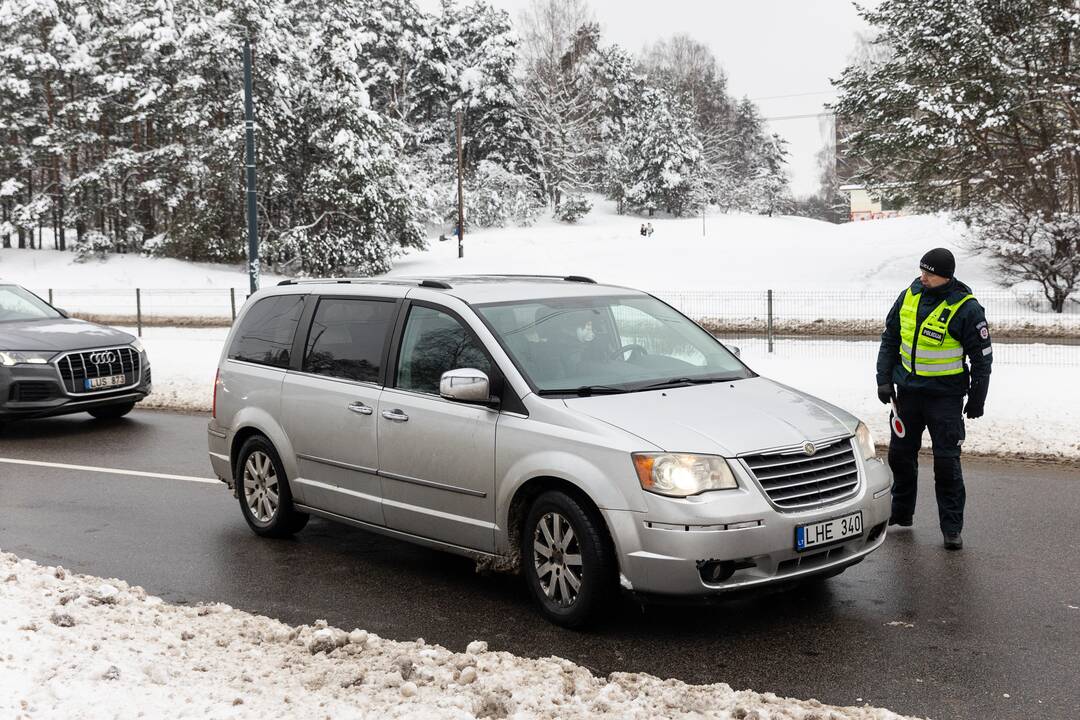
50, 296
769, 325
232, 301
138, 309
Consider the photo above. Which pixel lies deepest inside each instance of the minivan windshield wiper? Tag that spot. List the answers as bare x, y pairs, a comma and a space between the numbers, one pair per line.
675, 382
586, 390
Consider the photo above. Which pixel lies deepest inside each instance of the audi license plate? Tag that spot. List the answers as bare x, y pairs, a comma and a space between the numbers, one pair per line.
827, 532
105, 382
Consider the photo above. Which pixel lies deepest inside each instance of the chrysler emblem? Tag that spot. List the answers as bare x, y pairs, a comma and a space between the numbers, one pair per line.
107, 357
809, 448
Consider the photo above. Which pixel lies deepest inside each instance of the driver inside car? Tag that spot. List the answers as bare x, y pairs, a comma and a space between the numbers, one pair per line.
571, 342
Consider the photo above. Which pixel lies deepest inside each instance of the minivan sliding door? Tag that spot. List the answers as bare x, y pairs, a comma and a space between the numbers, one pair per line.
329, 406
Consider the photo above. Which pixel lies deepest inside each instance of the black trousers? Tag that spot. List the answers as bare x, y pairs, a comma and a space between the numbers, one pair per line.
943, 415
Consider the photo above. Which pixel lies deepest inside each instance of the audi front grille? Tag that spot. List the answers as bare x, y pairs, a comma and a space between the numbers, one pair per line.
796, 481
78, 367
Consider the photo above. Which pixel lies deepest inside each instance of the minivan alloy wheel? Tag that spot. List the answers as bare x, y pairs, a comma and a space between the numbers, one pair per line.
557, 558
261, 486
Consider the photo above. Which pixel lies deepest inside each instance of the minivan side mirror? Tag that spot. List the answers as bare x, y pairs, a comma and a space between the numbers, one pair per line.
735, 350
465, 385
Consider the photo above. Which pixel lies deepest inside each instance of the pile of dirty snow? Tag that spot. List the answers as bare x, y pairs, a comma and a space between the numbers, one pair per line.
76, 646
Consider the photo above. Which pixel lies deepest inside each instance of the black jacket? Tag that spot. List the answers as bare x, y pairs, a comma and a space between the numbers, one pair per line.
968, 326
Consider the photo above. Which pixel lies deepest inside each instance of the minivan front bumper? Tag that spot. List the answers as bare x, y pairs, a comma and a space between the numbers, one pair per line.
671, 548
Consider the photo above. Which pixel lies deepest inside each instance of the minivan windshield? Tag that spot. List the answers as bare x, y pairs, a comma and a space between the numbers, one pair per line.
608, 344
18, 304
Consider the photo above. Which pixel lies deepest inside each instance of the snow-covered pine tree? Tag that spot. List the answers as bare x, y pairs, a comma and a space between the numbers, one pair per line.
664, 154
338, 200
976, 105
737, 184
688, 68
617, 90
28, 70
482, 83
557, 97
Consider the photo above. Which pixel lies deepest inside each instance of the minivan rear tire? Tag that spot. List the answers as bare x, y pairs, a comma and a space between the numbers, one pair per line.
597, 571
267, 480
112, 412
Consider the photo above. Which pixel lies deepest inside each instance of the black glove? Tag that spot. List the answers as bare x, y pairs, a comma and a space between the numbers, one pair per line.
977, 397
886, 393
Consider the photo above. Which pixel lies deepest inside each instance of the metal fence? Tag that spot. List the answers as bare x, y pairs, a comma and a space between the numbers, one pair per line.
794, 323
773, 321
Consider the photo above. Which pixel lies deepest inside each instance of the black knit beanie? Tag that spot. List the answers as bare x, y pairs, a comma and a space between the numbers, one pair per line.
940, 262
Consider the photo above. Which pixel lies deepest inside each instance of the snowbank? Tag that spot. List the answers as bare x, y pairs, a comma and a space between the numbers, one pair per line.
1030, 412
43, 269
183, 362
75, 646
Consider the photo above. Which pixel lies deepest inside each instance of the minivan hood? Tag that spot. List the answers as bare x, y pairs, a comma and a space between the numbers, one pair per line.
726, 418
59, 334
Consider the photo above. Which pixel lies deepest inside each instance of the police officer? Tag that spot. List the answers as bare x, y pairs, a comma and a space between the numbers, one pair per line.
932, 326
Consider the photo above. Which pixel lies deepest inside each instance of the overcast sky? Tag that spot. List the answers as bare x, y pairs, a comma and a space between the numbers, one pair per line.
766, 47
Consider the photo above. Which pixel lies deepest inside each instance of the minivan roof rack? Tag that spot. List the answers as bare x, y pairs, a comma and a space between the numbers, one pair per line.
433, 283
439, 284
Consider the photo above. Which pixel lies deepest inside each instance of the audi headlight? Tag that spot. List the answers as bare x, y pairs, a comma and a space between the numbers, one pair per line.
682, 475
21, 357
137, 344
866, 442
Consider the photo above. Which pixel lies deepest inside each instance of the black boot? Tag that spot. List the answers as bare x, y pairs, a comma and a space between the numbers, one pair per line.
953, 541
902, 522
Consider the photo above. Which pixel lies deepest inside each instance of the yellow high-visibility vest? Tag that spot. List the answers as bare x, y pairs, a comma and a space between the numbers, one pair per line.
936, 351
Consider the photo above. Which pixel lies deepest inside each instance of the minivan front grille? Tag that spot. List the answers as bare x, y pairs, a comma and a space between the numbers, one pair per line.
78, 367
794, 480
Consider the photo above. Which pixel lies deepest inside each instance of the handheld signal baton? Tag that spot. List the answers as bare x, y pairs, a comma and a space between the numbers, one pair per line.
895, 422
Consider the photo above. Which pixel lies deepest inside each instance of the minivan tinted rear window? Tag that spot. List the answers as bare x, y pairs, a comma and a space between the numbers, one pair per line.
348, 338
265, 335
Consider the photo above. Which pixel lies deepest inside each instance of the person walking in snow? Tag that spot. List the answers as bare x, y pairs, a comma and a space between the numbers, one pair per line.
643, 230
921, 366
648, 230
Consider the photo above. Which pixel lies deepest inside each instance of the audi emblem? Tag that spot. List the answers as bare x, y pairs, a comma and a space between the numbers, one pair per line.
809, 448
106, 357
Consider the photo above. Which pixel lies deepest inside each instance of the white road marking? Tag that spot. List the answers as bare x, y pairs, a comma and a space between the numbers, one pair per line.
109, 471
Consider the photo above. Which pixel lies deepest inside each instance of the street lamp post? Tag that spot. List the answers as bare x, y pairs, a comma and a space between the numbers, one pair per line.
249, 165
460, 195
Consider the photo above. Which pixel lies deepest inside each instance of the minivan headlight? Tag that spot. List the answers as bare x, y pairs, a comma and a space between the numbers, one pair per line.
22, 357
682, 475
866, 442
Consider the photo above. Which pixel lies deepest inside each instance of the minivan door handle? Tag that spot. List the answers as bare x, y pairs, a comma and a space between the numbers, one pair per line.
395, 415
359, 408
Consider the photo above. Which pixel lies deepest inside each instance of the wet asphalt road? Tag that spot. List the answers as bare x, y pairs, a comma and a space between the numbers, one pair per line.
991, 632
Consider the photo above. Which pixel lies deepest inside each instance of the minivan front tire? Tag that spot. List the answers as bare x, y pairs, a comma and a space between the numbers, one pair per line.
567, 559
263, 489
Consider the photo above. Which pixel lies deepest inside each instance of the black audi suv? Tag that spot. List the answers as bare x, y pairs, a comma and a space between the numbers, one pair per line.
51, 364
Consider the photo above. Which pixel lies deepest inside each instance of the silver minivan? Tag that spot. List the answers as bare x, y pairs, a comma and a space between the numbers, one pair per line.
587, 436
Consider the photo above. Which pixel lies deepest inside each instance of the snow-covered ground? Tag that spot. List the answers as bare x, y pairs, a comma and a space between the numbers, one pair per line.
184, 362
42, 269
1030, 412
817, 270
75, 646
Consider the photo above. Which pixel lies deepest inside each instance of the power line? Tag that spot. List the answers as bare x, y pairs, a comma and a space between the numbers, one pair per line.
800, 117
793, 95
